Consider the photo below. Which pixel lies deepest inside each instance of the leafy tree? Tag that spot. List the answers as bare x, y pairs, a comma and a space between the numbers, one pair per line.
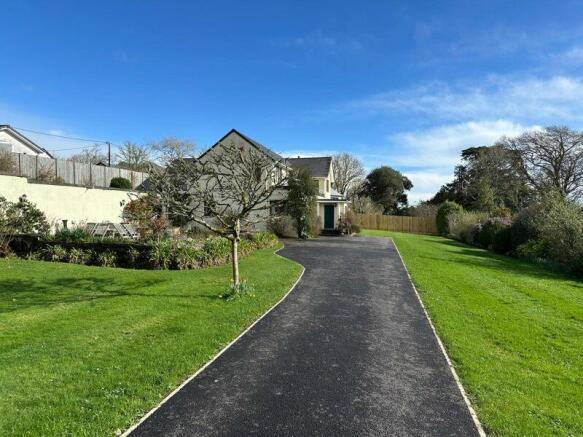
347, 169
488, 180
301, 201
551, 159
386, 187
443, 213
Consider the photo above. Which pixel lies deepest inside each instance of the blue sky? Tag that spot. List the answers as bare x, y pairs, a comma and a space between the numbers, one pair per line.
401, 83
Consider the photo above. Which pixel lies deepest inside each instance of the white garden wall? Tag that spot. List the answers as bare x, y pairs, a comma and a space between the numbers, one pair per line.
78, 205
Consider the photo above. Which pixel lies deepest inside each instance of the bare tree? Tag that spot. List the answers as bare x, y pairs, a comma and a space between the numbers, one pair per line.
551, 159
223, 192
90, 155
170, 149
347, 170
133, 157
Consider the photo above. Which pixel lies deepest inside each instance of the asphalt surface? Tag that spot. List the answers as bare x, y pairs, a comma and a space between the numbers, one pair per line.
348, 353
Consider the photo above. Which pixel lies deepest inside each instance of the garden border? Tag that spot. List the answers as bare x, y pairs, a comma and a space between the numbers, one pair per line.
223, 350
458, 382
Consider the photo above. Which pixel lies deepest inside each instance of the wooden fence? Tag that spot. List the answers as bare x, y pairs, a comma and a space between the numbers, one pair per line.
70, 172
413, 225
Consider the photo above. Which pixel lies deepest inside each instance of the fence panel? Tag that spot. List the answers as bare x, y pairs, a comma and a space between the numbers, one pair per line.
409, 224
70, 172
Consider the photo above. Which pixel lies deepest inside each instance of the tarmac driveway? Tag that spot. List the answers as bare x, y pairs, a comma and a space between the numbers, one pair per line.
348, 353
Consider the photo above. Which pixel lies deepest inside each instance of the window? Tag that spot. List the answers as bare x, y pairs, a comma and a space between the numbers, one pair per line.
276, 208
5, 147
327, 185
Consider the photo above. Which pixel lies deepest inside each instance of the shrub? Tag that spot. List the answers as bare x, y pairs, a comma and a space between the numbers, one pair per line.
261, 240
524, 226
280, 226
140, 212
66, 235
162, 254
106, 258
443, 213
132, 257
55, 253
356, 228
465, 225
532, 250
217, 250
25, 218
561, 227
502, 242
187, 256
120, 182
78, 256
488, 233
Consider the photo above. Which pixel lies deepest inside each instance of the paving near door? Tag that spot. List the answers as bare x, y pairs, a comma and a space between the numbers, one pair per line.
349, 352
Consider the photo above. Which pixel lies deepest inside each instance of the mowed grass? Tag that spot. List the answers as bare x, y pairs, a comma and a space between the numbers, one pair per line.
89, 350
513, 330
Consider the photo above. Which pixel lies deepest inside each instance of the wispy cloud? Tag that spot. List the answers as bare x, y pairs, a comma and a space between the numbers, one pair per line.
542, 100
440, 146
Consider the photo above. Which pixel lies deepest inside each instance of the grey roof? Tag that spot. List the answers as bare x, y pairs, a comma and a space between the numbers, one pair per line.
318, 167
261, 147
251, 141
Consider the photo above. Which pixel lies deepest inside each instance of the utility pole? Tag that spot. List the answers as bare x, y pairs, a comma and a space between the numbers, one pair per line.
108, 153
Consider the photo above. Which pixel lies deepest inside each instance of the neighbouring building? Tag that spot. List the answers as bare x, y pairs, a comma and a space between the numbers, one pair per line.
331, 205
13, 141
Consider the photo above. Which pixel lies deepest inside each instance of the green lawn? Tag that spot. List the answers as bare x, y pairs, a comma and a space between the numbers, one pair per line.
513, 330
89, 350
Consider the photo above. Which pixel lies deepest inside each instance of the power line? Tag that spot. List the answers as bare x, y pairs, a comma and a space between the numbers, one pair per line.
61, 136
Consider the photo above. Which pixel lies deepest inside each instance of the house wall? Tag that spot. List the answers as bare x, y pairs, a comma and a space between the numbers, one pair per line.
339, 209
76, 204
16, 145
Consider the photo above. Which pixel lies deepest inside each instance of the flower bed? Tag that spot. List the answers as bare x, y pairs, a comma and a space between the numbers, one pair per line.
164, 254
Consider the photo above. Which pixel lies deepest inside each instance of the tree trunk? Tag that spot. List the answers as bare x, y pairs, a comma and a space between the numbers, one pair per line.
235, 260
235, 252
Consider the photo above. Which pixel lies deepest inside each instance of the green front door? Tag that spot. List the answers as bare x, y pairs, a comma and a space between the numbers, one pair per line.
328, 216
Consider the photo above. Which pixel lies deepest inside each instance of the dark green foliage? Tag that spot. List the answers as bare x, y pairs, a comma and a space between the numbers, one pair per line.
489, 179
356, 228
66, 235
22, 217
386, 187
120, 182
489, 231
443, 213
301, 201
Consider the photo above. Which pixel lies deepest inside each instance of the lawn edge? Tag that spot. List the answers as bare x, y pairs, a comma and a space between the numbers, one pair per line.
456, 378
221, 352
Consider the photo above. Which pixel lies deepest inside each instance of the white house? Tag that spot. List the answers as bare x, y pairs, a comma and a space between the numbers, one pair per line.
13, 141
331, 205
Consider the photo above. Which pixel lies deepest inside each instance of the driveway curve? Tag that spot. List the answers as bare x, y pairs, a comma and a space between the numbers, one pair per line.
348, 353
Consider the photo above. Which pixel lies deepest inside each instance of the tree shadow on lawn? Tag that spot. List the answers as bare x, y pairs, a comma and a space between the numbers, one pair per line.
477, 257
16, 294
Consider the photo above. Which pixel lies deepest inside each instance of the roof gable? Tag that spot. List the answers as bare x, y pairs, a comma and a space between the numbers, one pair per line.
23, 140
251, 141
